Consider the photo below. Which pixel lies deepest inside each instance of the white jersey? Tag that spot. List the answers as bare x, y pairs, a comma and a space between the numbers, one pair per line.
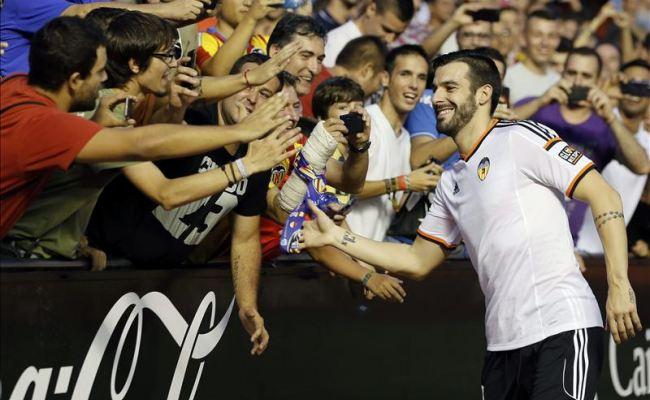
504, 200
388, 157
337, 39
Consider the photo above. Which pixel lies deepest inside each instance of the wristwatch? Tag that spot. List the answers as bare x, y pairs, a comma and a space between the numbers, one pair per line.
361, 149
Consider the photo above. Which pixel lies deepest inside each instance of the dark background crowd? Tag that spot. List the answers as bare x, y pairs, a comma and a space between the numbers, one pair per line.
167, 132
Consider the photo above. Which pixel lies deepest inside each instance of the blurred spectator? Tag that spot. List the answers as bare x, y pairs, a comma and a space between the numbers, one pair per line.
389, 170
235, 24
559, 56
384, 18
307, 64
67, 70
362, 59
589, 125
629, 185
474, 35
611, 57
167, 233
20, 19
507, 33
534, 75
440, 11
334, 13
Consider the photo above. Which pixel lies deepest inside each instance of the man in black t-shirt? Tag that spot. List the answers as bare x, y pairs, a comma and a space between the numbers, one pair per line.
127, 223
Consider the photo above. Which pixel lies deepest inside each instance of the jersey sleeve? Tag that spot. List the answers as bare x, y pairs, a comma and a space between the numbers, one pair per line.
210, 44
552, 163
438, 225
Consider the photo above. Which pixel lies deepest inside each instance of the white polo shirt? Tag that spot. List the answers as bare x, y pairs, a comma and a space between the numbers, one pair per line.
505, 201
388, 157
337, 39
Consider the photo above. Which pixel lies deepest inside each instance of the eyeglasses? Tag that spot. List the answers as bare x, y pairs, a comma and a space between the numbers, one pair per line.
174, 54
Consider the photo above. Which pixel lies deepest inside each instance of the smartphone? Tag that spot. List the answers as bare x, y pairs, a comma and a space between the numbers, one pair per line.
129, 108
505, 95
636, 88
485, 14
578, 94
354, 122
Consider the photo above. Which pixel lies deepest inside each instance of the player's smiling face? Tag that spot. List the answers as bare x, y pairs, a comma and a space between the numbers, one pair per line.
453, 100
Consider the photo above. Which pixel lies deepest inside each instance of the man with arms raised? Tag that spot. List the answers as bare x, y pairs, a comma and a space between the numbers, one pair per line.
504, 200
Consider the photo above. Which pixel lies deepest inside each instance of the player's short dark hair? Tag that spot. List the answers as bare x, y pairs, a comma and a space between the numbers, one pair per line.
404, 50
103, 16
334, 90
482, 71
494, 54
639, 62
403, 9
294, 24
62, 47
134, 35
362, 50
585, 52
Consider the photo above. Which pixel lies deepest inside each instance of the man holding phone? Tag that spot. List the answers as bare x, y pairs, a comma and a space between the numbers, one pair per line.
583, 115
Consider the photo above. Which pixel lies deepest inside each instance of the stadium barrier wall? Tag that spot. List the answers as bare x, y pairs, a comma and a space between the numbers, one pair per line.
137, 333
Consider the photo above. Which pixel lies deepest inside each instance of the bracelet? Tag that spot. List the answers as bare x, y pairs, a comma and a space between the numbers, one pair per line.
232, 171
242, 169
366, 278
394, 187
387, 183
401, 182
248, 84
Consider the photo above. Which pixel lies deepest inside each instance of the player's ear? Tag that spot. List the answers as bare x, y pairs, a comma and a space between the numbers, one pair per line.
484, 95
385, 78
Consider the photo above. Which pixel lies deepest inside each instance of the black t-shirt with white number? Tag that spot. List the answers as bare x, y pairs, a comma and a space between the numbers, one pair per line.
128, 224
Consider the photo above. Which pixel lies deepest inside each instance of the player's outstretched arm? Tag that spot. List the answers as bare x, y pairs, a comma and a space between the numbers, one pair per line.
415, 261
622, 317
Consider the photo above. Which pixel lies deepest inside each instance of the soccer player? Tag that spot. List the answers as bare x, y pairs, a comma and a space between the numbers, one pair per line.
504, 199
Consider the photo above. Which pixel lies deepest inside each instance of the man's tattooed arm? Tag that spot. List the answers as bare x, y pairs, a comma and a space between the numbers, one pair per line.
348, 237
605, 217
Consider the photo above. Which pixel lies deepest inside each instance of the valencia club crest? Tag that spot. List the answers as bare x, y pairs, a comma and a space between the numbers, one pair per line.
483, 168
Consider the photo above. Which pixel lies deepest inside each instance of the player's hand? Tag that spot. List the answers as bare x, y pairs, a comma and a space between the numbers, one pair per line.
558, 93
264, 119
504, 112
336, 128
264, 154
181, 10
601, 104
254, 325
425, 179
271, 68
622, 317
104, 114
386, 287
360, 139
318, 232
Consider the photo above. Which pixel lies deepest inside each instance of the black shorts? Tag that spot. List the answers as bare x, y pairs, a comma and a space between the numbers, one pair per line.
561, 367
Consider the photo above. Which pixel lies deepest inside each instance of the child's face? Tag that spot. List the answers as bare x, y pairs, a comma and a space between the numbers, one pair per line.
342, 108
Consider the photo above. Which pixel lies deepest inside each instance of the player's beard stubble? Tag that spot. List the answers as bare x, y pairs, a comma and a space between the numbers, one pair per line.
462, 115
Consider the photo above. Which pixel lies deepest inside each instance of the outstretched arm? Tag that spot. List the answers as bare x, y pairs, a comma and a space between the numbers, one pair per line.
415, 261
605, 203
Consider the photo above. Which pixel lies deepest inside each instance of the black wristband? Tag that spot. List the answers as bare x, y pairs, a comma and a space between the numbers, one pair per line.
361, 149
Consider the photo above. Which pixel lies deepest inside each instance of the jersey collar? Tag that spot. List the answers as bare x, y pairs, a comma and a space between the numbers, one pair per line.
478, 143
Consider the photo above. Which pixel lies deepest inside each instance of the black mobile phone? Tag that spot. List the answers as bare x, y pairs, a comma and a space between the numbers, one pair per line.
578, 94
129, 107
354, 122
505, 95
636, 88
486, 14
190, 64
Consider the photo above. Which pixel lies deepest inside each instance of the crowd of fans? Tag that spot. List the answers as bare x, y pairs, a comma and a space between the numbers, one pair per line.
180, 131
